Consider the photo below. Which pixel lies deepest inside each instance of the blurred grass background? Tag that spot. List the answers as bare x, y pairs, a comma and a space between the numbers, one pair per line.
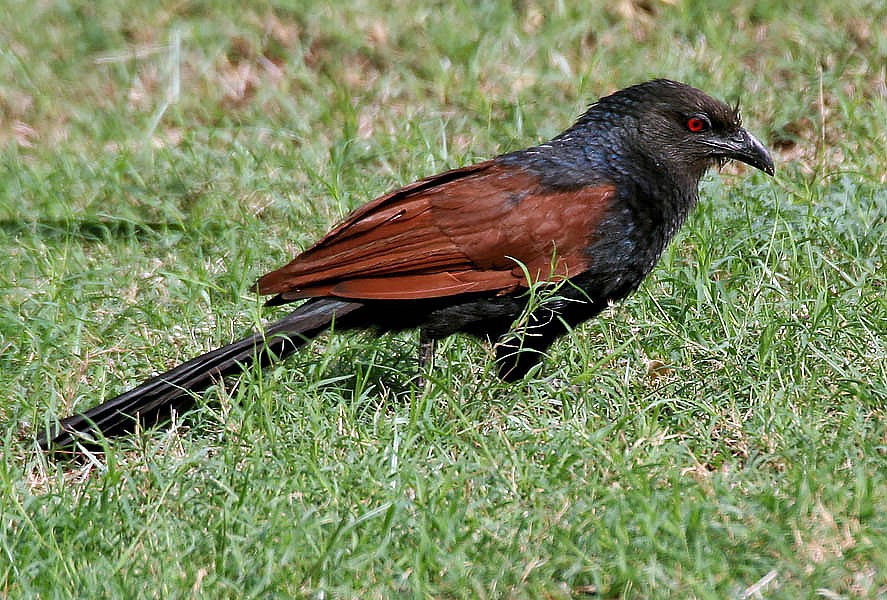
719, 435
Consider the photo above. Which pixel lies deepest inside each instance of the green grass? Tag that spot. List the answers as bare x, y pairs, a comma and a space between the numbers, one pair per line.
724, 427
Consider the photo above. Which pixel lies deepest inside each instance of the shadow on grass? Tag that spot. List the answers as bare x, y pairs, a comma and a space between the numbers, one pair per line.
102, 229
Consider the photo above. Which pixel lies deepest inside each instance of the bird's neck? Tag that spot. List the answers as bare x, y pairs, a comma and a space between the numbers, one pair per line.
660, 204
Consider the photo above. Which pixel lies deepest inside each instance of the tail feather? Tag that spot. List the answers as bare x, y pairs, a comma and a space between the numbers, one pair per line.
153, 400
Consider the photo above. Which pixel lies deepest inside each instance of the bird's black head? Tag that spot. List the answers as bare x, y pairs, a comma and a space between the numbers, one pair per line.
679, 129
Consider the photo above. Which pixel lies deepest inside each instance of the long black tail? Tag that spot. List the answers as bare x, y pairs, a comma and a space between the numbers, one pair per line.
154, 400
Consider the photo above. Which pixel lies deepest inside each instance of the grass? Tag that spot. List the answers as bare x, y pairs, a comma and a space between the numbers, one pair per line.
722, 434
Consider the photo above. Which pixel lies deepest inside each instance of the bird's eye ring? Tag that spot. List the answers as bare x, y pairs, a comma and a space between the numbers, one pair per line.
697, 124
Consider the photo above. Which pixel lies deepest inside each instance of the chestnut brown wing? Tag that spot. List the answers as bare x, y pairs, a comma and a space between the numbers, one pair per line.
461, 231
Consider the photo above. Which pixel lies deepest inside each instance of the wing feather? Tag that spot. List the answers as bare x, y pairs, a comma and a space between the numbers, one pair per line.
459, 232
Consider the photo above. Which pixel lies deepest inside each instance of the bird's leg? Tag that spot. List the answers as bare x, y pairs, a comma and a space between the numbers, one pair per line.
518, 352
426, 356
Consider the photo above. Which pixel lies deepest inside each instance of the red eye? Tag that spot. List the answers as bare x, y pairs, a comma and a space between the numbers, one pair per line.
697, 124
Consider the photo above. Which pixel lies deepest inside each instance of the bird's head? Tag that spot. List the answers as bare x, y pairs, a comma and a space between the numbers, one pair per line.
682, 130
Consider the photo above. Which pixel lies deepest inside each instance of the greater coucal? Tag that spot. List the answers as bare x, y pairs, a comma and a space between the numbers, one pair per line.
456, 252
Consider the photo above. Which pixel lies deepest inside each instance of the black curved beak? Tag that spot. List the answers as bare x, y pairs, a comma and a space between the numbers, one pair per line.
745, 147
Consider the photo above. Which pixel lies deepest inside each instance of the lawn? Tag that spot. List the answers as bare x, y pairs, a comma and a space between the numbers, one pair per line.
721, 434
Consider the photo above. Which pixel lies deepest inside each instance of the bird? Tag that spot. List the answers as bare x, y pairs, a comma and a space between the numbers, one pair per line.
588, 213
